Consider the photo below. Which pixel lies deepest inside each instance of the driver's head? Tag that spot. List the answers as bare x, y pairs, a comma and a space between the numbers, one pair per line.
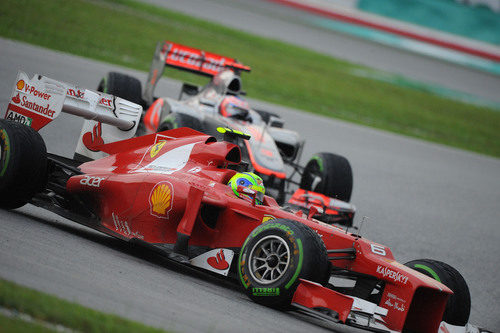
232, 106
251, 181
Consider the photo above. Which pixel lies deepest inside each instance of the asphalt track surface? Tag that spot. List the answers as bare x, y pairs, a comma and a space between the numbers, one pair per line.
293, 26
423, 200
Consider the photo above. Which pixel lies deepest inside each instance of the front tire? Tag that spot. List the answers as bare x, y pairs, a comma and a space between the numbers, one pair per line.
458, 307
275, 256
328, 174
23, 164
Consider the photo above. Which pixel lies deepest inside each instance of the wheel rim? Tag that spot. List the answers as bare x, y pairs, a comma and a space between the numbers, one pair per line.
269, 259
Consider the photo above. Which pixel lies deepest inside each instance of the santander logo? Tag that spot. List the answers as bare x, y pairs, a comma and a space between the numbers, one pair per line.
219, 261
94, 139
16, 99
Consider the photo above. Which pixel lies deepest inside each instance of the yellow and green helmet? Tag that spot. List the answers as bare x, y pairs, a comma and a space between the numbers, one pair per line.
251, 181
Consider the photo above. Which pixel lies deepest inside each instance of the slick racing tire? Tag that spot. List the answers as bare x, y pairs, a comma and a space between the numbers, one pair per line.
458, 307
122, 85
275, 256
328, 174
23, 164
176, 120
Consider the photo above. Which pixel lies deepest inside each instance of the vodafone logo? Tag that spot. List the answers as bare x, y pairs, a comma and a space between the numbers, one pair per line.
194, 59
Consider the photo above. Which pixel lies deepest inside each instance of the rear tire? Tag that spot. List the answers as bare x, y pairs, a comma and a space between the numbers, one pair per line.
275, 256
122, 85
23, 164
458, 307
328, 174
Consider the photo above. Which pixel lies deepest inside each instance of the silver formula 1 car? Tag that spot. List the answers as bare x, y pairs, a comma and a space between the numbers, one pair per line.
273, 152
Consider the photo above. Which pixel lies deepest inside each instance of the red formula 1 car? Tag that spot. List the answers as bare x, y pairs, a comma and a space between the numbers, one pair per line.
221, 102
168, 191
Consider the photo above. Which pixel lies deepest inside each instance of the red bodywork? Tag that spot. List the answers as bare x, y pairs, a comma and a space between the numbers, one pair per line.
156, 186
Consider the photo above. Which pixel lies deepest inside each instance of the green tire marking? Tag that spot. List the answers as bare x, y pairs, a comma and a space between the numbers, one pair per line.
170, 119
105, 86
429, 270
6, 150
299, 266
239, 263
320, 162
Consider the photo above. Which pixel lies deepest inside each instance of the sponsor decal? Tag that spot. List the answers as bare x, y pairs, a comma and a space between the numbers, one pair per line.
267, 217
20, 85
219, 261
156, 148
265, 291
216, 260
76, 93
393, 275
107, 102
273, 225
123, 227
395, 305
93, 139
17, 117
211, 184
194, 59
395, 297
32, 106
161, 199
29, 89
16, 99
92, 181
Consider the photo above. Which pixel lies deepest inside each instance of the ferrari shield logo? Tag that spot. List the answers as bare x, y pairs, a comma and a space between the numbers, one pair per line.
156, 148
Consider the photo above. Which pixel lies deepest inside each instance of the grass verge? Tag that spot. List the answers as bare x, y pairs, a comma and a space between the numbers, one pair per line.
50, 309
125, 32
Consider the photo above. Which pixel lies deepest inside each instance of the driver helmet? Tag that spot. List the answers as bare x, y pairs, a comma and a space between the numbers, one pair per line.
232, 106
249, 180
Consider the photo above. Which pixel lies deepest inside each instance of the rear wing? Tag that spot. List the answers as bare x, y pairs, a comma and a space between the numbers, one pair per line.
37, 101
188, 59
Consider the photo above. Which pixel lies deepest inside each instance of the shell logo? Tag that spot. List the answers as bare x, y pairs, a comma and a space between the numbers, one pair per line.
156, 148
20, 85
161, 199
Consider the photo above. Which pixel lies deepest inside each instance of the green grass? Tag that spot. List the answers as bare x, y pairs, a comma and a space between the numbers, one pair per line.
125, 32
53, 310
13, 325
